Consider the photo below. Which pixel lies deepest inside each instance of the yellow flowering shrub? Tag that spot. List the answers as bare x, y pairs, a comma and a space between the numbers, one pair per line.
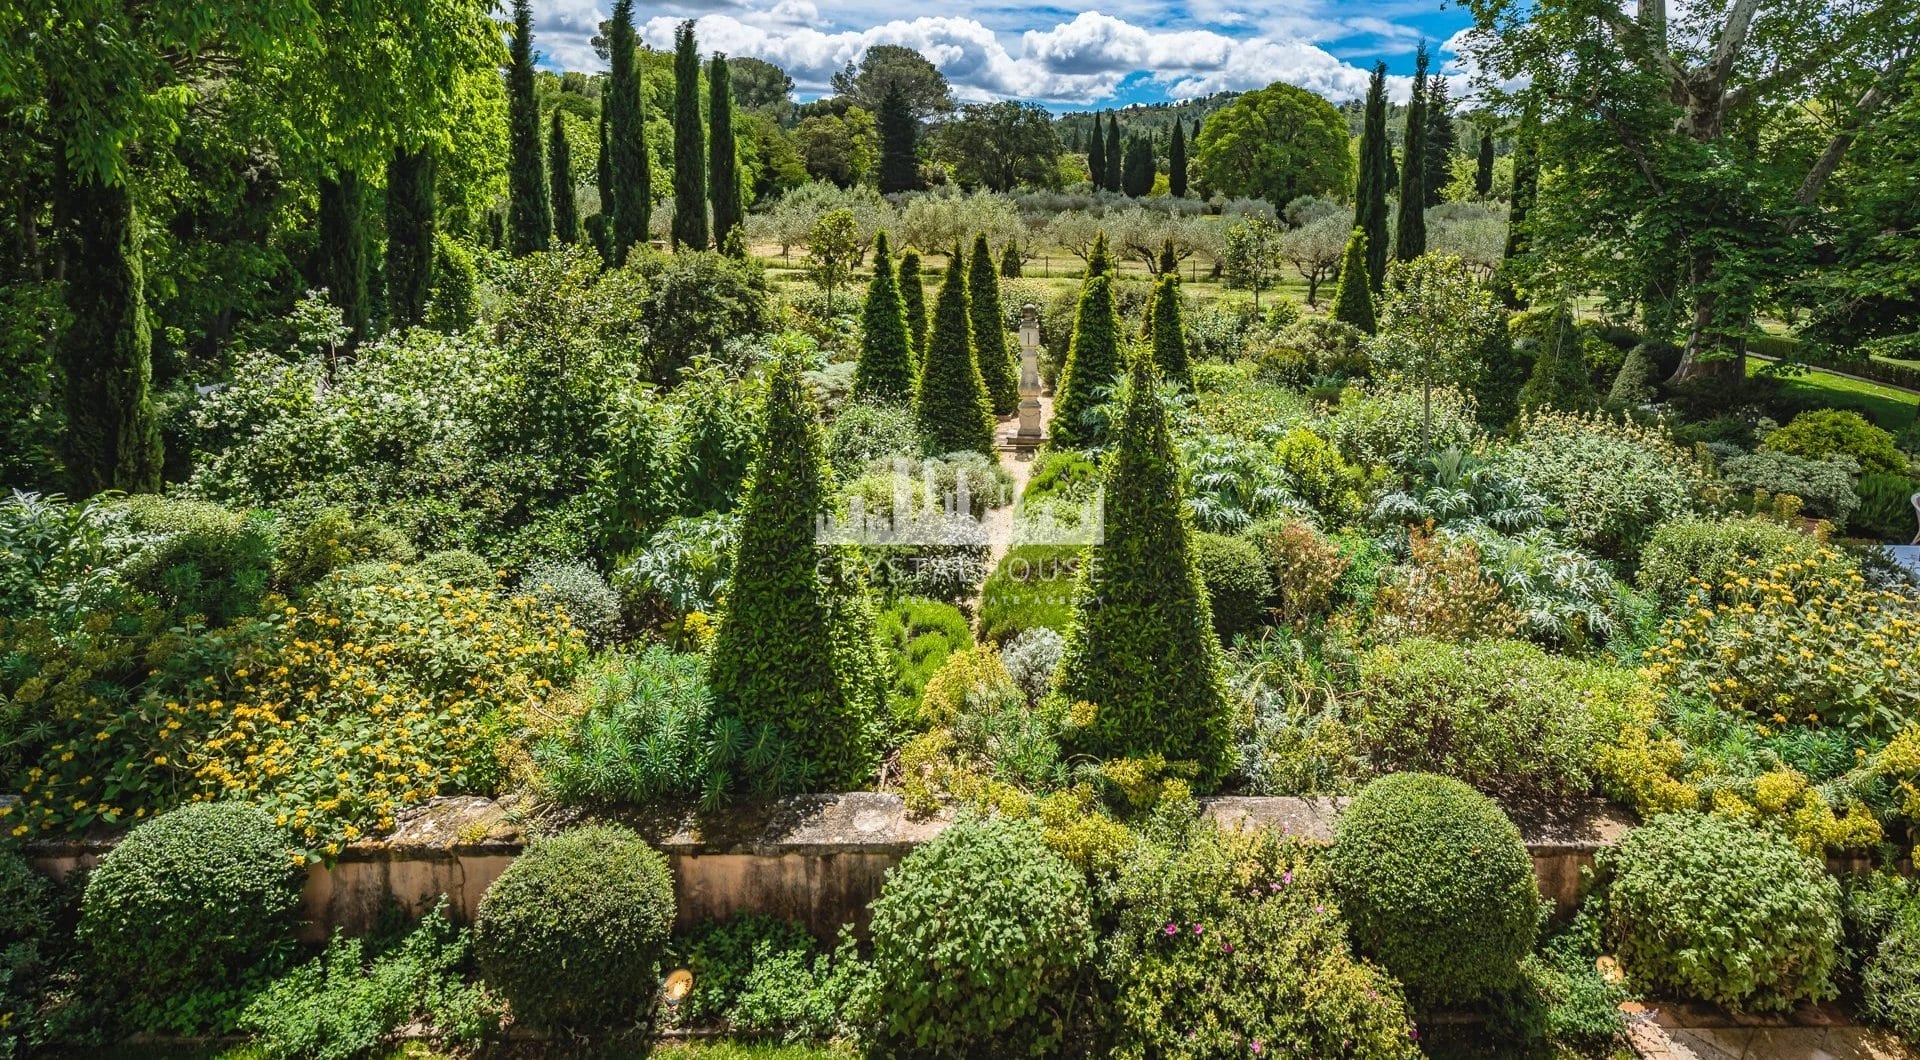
1899, 763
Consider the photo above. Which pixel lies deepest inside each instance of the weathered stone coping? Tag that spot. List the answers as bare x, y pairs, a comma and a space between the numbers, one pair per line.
818, 859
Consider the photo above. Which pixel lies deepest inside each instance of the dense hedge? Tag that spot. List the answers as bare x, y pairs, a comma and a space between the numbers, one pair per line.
1236, 580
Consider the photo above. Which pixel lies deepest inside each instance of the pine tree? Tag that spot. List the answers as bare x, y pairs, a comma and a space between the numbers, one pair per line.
1113, 152
1142, 647
1442, 141
689, 144
794, 672
529, 213
723, 166
1525, 179
343, 250
1353, 300
631, 203
1170, 330
990, 331
1410, 236
950, 406
112, 437
410, 229
1092, 367
1010, 260
1097, 156
566, 211
914, 294
1559, 379
1483, 167
899, 133
1370, 196
1177, 161
1137, 168
885, 369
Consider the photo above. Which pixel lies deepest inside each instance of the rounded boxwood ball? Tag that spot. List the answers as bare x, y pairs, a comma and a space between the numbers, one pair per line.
192, 900
1236, 580
573, 932
1437, 886
1712, 908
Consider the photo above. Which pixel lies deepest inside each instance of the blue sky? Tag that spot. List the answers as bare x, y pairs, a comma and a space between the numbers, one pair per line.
1064, 55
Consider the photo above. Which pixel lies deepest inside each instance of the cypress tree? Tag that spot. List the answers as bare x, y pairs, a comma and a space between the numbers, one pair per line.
1113, 152
899, 132
566, 211
1010, 261
723, 167
1353, 299
603, 165
1525, 179
631, 204
1170, 330
529, 214
1092, 367
1559, 379
951, 406
1142, 647
1483, 167
990, 331
885, 369
1137, 175
914, 294
794, 669
1097, 156
1442, 141
112, 440
343, 250
689, 144
410, 234
1370, 198
1177, 161
1410, 236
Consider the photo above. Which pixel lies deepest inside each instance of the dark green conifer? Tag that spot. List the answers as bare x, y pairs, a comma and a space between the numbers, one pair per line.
1353, 299
1410, 233
566, 210
1137, 171
410, 234
1370, 196
1097, 156
1526, 178
723, 167
914, 293
1142, 647
1099, 261
689, 144
1483, 167
1170, 329
885, 369
1010, 260
529, 213
343, 250
1114, 152
899, 132
1177, 161
1092, 367
1559, 379
950, 405
631, 204
990, 331
1443, 142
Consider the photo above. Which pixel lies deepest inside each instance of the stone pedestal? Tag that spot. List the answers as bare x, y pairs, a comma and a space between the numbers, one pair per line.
1030, 430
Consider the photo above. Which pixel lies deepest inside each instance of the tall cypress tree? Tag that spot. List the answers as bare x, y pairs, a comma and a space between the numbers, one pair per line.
566, 211
1113, 152
1443, 142
794, 666
1353, 299
723, 167
343, 250
1483, 166
112, 440
1370, 197
914, 293
410, 228
1142, 647
990, 330
1170, 329
1137, 172
950, 406
1177, 161
1097, 156
529, 213
631, 203
689, 144
1410, 235
1526, 177
1092, 367
899, 135
885, 369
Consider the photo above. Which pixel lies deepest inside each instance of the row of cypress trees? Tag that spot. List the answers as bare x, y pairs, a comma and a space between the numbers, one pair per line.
1128, 166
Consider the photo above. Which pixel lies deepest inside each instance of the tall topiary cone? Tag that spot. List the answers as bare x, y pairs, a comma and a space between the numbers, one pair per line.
1093, 364
951, 407
1099, 260
1170, 330
1142, 647
990, 331
885, 369
1559, 379
914, 294
1010, 261
1353, 301
795, 674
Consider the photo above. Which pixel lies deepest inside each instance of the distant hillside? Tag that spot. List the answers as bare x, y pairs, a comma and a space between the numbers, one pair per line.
1157, 118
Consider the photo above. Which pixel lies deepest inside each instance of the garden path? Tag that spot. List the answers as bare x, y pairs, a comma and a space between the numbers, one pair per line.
1017, 462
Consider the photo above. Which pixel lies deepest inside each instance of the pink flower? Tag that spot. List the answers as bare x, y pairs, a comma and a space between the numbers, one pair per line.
1318, 908
1227, 947
1172, 930
1196, 929
1287, 877
1256, 1047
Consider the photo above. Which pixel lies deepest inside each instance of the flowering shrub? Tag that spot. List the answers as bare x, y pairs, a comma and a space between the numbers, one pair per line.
1614, 480
1303, 566
1683, 554
1442, 593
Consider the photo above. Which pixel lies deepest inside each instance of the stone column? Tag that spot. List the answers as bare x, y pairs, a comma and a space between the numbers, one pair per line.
1029, 372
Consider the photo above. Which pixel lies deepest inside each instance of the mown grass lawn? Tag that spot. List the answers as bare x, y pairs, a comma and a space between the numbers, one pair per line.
1891, 409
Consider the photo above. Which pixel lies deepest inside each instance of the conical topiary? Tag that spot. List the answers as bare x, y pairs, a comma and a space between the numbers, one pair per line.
885, 368
1010, 261
1170, 330
1142, 647
795, 676
990, 331
1353, 301
1093, 364
914, 294
1633, 385
950, 407
1559, 379
1099, 261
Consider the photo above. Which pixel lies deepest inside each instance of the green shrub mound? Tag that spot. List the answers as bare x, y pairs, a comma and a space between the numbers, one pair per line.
1886, 507
1237, 583
917, 634
456, 567
975, 937
578, 591
1682, 550
1883, 935
1032, 587
764, 977
1708, 907
1822, 434
26, 924
573, 932
1437, 885
188, 907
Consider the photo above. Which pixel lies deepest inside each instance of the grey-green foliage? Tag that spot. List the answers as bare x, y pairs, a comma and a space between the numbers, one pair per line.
578, 590
1825, 485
